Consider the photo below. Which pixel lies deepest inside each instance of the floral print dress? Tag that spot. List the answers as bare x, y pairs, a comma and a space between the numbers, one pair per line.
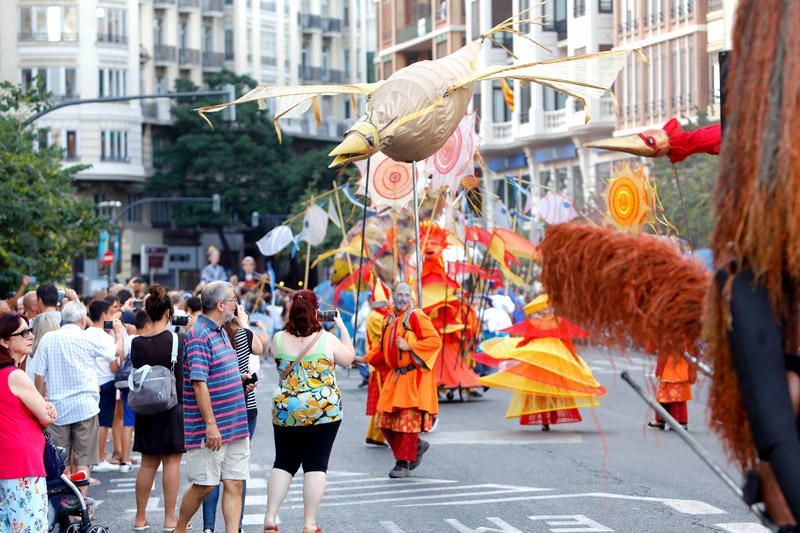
309, 394
23, 505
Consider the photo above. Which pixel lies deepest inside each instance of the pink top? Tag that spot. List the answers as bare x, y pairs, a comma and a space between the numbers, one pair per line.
21, 437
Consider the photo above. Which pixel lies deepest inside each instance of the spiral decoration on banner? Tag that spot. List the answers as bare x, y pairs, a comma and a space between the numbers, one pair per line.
446, 158
630, 199
393, 180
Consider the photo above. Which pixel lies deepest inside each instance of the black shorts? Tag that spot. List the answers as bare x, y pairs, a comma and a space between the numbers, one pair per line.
108, 403
309, 446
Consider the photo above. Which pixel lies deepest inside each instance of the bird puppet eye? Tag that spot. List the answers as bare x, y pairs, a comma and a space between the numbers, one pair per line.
650, 141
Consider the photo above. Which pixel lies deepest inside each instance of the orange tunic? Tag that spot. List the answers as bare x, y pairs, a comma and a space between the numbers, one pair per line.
416, 388
378, 367
676, 376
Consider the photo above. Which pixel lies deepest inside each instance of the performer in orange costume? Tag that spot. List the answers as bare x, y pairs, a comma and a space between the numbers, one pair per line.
676, 377
379, 302
409, 346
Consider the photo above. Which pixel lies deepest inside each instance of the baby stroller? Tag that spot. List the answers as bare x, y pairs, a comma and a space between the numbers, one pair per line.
68, 509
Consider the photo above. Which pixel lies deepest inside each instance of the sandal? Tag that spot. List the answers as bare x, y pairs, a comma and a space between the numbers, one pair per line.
272, 529
145, 527
657, 425
315, 530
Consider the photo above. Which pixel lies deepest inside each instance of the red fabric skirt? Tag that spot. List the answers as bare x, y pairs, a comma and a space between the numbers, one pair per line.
564, 416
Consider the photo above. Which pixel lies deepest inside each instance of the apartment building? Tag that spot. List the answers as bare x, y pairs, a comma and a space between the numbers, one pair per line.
411, 31
540, 141
99, 48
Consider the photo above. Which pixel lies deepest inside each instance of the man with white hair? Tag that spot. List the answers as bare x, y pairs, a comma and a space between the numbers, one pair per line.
65, 362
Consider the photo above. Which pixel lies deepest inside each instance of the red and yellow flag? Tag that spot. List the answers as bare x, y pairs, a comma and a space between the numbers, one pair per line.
508, 93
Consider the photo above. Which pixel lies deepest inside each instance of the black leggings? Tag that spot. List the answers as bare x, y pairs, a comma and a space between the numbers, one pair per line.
306, 445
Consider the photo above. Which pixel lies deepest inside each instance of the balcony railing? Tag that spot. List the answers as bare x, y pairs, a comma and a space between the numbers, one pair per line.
165, 53
189, 4
163, 3
332, 76
308, 21
554, 120
309, 73
112, 39
212, 6
188, 56
269, 61
501, 131
331, 25
43, 37
213, 59
412, 31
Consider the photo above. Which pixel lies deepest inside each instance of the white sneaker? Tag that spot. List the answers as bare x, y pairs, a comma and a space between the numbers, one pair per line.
105, 466
124, 468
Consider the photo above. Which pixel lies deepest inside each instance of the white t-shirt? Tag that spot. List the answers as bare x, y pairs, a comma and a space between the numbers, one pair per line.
104, 356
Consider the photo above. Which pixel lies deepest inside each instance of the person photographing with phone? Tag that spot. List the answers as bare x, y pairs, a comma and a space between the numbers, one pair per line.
306, 404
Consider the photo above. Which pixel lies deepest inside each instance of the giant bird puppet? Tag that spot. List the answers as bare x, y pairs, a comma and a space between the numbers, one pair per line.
410, 115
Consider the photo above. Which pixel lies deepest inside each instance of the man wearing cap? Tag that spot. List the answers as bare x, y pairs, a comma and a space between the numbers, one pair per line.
408, 403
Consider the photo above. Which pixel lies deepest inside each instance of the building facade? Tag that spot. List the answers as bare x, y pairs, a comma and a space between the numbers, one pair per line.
103, 48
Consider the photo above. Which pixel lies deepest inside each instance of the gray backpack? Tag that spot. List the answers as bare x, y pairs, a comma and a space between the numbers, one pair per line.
152, 388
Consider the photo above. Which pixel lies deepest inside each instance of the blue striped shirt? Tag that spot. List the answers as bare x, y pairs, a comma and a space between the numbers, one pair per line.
210, 357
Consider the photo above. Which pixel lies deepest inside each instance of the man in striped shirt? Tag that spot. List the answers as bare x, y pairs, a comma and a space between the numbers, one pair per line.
214, 412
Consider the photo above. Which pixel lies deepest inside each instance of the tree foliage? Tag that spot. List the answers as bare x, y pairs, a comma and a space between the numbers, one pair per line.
243, 162
44, 223
697, 176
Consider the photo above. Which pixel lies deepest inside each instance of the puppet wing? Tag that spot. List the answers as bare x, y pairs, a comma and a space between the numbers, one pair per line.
582, 77
292, 100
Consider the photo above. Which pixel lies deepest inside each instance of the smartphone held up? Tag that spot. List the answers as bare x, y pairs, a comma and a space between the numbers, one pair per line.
327, 315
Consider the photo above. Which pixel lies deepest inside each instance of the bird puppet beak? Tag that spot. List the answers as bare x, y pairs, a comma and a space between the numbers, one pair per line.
359, 143
652, 143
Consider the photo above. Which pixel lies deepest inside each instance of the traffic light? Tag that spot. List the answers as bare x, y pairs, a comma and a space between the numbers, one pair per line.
215, 203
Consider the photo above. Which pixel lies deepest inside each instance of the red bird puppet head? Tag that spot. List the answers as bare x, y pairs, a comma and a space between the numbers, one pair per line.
671, 141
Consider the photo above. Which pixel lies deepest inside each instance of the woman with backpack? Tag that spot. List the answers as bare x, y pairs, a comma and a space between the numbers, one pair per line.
23, 414
159, 437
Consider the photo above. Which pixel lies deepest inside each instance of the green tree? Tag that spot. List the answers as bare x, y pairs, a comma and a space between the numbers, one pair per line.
44, 223
697, 175
243, 162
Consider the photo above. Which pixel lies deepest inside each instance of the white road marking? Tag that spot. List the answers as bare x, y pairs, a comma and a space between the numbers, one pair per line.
452, 489
682, 506
426, 497
743, 527
575, 522
505, 526
391, 527
117, 491
504, 437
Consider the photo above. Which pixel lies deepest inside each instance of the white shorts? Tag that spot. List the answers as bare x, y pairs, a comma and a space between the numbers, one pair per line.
231, 461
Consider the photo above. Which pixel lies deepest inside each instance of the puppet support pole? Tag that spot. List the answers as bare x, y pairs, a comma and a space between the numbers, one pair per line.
416, 232
363, 245
690, 441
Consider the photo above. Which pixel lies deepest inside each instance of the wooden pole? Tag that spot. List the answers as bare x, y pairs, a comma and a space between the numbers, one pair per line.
416, 231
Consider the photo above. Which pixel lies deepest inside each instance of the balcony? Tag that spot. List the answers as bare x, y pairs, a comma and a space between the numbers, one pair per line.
499, 132
46, 37
331, 25
331, 76
107, 38
164, 53
163, 3
188, 56
309, 22
269, 61
555, 120
421, 27
188, 5
309, 73
213, 60
213, 8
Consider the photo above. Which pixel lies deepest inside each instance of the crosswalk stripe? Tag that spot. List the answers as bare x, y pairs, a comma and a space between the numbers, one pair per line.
453, 491
389, 483
427, 497
743, 527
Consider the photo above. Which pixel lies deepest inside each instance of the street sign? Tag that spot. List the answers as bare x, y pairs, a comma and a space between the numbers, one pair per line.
108, 257
154, 257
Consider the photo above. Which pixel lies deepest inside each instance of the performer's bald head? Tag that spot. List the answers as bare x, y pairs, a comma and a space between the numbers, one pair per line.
401, 296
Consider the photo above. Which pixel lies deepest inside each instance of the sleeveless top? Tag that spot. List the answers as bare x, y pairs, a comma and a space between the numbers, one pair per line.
21, 437
309, 394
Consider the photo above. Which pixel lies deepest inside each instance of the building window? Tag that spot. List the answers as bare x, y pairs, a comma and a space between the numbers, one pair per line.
525, 102
208, 38
553, 100
114, 145
184, 34
112, 25
134, 213
158, 31
544, 180
605, 6
577, 188
578, 8
112, 82
475, 14
441, 11
106, 211
71, 149
228, 44
48, 23
346, 63
562, 179
60, 81
347, 108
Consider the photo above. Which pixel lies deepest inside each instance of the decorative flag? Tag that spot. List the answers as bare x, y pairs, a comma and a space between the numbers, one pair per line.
333, 215
508, 94
315, 225
555, 208
352, 199
517, 245
502, 218
390, 182
275, 240
497, 249
455, 159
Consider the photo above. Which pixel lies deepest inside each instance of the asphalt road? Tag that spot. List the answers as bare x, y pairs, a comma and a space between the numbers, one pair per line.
484, 473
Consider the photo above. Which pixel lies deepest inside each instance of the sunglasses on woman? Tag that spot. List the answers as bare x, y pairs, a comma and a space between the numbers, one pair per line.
22, 333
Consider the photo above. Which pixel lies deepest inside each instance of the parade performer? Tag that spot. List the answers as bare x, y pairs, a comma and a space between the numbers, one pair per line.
409, 346
539, 364
675, 379
378, 370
